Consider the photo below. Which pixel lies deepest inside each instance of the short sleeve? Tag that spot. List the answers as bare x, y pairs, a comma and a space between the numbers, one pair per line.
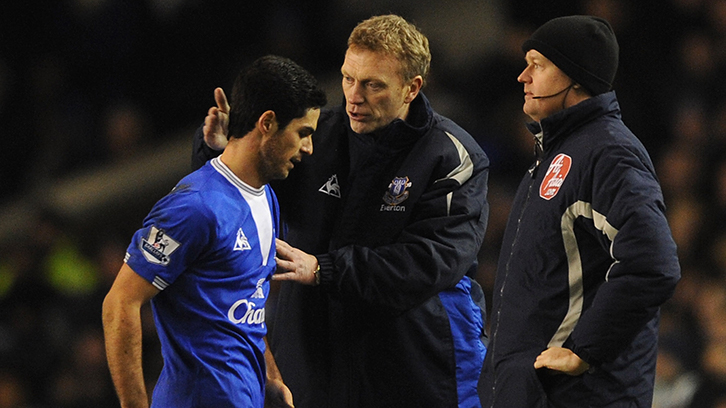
174, 234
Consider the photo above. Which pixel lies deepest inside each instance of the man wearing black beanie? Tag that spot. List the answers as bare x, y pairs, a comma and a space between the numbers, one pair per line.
587, 257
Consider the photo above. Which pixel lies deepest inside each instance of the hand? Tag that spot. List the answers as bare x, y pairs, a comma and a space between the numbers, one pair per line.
561, 359
277, 395
217, 121
294, 264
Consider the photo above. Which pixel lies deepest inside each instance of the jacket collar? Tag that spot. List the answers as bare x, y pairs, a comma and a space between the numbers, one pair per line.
568, 120
400, 133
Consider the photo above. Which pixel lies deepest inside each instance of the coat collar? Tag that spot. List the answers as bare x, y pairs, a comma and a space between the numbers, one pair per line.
566, 121
400, 133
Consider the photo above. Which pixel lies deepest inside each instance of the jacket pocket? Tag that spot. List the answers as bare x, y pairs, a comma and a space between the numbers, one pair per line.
517, 385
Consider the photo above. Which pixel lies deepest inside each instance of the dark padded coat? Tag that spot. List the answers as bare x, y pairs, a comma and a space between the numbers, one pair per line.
587, 259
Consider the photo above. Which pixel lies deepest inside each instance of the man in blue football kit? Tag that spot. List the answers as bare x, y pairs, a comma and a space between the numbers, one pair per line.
205, 255
393, 209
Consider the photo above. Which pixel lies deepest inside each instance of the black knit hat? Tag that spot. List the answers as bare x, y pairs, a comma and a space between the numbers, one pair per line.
583, 47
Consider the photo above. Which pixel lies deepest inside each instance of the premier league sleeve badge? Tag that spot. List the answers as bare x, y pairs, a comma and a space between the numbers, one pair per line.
157, 246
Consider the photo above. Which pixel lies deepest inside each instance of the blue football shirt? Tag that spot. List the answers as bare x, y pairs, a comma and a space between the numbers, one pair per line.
209, 247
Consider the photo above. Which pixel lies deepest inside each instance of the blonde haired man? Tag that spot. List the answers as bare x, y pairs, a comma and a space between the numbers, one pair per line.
393, 205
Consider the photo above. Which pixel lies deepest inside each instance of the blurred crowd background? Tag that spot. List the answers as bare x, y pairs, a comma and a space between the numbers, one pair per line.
99, 100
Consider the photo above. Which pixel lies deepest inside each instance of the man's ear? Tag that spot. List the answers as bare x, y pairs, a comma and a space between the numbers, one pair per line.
413, 88
580, 90
267, 122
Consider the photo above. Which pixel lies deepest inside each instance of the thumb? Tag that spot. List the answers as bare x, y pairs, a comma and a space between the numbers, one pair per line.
221, 100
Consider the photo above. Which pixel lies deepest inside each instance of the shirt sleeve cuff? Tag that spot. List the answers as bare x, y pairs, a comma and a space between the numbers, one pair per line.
325, 261
586, 357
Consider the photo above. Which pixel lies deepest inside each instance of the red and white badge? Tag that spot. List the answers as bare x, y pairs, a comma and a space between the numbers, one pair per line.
556, 174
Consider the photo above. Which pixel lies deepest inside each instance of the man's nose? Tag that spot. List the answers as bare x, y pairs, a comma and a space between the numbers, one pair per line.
355, 94
307, 145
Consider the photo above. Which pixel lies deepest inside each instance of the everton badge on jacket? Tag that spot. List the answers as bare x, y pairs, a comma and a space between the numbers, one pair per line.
556, 174
396, 194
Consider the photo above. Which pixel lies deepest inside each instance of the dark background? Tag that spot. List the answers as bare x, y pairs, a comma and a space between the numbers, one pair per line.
99, 100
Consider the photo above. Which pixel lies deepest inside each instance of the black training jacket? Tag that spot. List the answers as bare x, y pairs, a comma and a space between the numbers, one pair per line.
395, 218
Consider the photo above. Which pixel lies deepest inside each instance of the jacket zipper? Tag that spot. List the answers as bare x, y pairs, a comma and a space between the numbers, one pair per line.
532, 171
